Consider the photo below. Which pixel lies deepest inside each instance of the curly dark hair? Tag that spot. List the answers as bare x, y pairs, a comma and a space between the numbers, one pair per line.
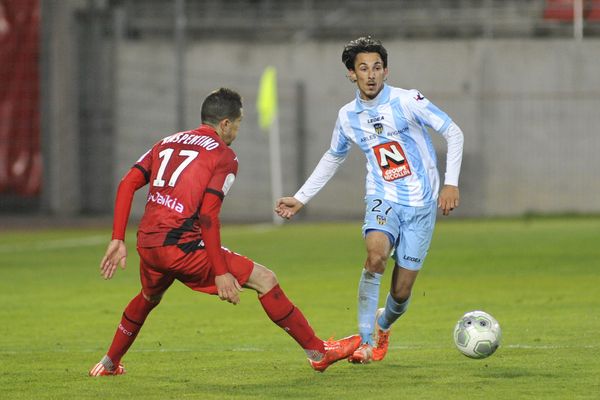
221, 104
363, 45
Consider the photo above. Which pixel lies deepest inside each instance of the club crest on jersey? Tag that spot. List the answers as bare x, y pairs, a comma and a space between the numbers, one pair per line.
381, 220
419, 97
378, 128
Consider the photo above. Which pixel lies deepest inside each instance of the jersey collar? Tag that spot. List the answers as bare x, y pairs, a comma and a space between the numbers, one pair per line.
382, 98
207, 129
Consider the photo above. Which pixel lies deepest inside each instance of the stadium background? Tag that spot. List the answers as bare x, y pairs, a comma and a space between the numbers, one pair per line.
95, 83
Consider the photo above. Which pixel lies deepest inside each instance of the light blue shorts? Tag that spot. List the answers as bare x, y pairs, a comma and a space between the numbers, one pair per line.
408, 228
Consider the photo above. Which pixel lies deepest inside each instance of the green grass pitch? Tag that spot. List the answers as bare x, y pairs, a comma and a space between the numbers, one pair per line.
540, 277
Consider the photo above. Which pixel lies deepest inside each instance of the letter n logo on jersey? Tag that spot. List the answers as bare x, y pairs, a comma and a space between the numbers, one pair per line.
392, 161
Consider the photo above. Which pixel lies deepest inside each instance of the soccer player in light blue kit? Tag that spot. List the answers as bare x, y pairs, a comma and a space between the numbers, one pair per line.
389, 125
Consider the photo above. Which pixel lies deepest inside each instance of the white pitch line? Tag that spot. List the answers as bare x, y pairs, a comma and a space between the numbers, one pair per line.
260, 349
57, 244
159, 350
550, 347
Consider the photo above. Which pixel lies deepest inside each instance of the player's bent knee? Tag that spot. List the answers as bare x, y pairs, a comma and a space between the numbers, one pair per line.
270, 279
376, 262
262, 279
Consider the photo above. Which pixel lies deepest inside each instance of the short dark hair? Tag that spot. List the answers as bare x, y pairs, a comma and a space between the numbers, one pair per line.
219, 105
363, 45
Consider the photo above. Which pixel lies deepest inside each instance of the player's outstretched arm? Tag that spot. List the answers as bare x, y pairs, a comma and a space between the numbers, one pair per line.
116, 254
449, 199
287, 207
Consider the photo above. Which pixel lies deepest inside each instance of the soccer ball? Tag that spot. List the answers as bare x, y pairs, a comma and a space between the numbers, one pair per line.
477, 334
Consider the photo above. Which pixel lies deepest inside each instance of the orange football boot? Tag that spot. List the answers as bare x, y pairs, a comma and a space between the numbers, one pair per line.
335, 350
100, 370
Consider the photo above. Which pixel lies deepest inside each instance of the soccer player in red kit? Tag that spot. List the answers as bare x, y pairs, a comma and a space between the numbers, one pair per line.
179, 235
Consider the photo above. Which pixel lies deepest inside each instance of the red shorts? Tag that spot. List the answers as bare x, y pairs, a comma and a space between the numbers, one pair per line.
160, 266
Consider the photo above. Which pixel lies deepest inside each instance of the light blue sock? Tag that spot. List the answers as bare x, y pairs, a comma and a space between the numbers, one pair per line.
393, 311
368, 297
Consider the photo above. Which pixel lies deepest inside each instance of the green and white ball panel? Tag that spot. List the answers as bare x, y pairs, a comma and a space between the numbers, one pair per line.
477, 334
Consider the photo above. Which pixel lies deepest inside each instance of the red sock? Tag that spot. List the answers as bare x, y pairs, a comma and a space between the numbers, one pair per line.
287, 316
133, 318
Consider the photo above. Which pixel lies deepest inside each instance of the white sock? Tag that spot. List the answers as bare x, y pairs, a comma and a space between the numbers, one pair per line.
368, 297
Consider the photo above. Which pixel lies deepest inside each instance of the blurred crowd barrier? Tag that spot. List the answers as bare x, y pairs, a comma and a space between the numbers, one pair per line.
116, 76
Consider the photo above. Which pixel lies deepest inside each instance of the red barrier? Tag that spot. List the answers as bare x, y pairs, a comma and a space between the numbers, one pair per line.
559, 10
594, 12
20, 157
562, 10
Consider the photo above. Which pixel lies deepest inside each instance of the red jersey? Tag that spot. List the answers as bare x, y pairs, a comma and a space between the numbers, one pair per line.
189, 175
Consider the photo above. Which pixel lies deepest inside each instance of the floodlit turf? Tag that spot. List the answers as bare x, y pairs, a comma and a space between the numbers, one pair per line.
539, 277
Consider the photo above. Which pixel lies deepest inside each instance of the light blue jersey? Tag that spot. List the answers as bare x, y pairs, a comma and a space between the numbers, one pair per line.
392, 132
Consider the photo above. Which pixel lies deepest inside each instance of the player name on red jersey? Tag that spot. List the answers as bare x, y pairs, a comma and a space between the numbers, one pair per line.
187, 138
